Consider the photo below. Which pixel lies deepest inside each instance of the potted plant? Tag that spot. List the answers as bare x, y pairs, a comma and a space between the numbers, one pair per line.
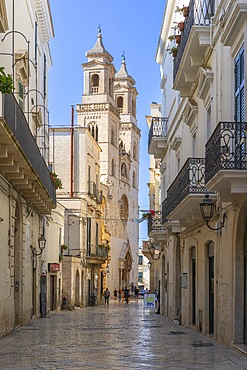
184, 10
178, 38
64, 247
6, 82
56, 180
180, 26
171, 37
173, 51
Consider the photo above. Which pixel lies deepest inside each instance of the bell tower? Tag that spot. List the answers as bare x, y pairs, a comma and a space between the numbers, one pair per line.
98, 110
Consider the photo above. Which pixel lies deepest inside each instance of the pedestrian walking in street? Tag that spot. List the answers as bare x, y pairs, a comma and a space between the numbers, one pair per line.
107, 296
122, 295
136, 294
119, 295
115, 294
126, 295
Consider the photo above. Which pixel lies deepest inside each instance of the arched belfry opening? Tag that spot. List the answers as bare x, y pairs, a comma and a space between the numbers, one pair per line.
95, 83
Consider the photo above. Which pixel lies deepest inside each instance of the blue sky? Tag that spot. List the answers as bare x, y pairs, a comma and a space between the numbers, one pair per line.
132, 26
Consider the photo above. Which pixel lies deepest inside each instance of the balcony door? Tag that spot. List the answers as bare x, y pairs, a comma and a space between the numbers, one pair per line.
240, 136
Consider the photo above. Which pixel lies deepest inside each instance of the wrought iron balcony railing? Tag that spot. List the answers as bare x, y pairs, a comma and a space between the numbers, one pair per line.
155, 222
200, 14
102, 251
190, 180
226, 149
18, 127
157, 129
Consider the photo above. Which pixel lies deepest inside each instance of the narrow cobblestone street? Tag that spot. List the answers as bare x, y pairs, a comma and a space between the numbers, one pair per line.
118, 336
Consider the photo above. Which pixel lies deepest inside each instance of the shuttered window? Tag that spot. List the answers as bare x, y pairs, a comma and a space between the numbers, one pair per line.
239, 86
240, 151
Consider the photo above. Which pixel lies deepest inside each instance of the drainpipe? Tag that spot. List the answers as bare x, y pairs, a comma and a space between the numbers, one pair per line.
72, 153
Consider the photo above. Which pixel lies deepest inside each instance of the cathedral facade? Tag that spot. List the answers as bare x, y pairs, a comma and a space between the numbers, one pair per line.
108, 111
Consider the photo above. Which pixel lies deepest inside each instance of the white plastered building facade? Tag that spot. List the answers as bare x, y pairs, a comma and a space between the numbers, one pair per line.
203, 271
27, 194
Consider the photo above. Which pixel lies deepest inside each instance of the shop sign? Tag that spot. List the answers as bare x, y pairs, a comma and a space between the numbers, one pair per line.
52, 267
149, 301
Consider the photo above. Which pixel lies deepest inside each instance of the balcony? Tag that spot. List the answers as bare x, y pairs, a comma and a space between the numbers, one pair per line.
92, 189
185, 194
98, 255
195, 41
20, 160
156, 230
157, 142
226, 160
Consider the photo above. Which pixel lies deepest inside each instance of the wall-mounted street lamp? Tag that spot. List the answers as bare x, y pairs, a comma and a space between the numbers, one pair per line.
155, 253
42, 243
207, 210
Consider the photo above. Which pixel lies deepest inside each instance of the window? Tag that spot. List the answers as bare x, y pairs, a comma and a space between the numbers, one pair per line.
112, 137
93, 129
133, 107
124, 170
120, 104
21, 92
113, 167
134, 152
110, 86
239, 87
239, 107
140, 260
95, 84
89, 179
134, 179
140, 277
88, 236
45, 74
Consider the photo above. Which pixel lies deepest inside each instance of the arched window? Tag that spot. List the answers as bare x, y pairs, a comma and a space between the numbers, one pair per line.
93, 129
134, 179
95, 83
124, 208
133, 107
112, 137
124, 170
110, 86
120, 104
113, 167
134, 151
96, 133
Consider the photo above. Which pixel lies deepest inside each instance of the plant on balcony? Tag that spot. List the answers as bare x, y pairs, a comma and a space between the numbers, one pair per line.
105, 245
173, 51
180, 26
184, 10
56, 180
171, 37
64, 247
6, 82
178, 39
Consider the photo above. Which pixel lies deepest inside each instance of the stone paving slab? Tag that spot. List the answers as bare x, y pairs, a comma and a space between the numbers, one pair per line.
117, 337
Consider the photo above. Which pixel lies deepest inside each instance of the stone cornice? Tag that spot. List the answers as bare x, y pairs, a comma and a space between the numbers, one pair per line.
44, 19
